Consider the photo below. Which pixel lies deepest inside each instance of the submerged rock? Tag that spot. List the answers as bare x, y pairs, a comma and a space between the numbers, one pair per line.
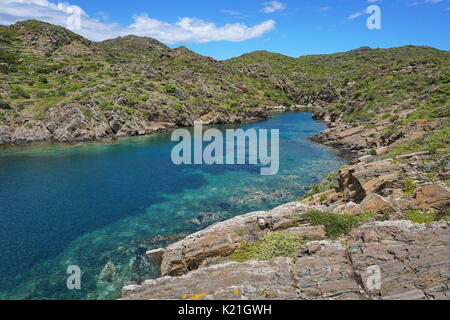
108, 272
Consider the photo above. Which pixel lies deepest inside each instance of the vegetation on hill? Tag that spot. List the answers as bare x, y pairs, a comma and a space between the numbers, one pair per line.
44, 65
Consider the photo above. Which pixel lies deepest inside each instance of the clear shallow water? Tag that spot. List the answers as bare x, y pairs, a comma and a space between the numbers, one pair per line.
90, 204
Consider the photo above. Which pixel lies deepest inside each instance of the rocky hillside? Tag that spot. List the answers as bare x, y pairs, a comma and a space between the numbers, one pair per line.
57, 86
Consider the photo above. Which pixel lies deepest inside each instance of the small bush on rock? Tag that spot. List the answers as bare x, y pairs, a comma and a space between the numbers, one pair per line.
336, 225
273, 245
417, 216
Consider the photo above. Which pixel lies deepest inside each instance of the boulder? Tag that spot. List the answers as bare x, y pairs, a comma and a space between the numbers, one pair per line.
156, 256
377, 204
433, 196
309, 232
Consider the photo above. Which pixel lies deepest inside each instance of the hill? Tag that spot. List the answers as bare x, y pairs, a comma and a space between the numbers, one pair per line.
58, 86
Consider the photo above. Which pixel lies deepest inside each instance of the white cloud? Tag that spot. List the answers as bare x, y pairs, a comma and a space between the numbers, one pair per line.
235, 14
417, 3
355, 15
273, 6
186, 30
196, 30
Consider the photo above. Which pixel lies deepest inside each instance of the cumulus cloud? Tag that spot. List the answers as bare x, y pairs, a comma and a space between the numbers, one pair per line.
196, 30
186, 30
273, 6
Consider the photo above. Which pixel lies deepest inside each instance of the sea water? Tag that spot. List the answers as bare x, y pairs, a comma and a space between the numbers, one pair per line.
92, 204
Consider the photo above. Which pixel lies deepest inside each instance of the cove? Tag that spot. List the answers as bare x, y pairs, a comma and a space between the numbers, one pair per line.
93, 204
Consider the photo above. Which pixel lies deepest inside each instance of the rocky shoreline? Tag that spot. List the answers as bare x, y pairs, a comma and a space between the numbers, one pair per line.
413, 258
387, 112
70, 124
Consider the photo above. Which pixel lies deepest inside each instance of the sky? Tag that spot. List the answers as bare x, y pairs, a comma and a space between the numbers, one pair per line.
226, 29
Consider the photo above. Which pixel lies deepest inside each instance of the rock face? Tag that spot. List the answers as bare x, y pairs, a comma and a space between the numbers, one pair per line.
413, 262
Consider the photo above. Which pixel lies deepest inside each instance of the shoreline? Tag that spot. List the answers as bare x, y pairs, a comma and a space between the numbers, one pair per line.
166, 127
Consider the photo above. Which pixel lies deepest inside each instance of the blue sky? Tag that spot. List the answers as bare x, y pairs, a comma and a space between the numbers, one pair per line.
224, 29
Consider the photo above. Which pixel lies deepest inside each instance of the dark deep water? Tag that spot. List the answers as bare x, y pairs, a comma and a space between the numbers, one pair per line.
89, 204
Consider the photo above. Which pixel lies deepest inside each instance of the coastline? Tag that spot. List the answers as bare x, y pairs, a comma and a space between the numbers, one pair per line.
111, 136
370, 185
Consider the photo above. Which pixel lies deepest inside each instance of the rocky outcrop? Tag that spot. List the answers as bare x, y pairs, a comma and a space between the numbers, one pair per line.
388, 187
222, 239
358, 141
85, 122
412, 261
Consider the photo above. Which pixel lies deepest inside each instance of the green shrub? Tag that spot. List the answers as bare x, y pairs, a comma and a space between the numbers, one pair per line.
19, 92
273, 245
444, 78
358, 116
418, 216
42, 79
170, 88
7, 57
394, 118
388, 132
4, 105
336, 225
439, 139
87, 114
409, 186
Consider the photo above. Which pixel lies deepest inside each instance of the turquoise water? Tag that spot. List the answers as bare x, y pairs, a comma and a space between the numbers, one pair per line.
90, 204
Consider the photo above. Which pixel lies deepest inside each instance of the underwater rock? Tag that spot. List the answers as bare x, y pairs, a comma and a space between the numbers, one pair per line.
205, 218
108, 272
162, 241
